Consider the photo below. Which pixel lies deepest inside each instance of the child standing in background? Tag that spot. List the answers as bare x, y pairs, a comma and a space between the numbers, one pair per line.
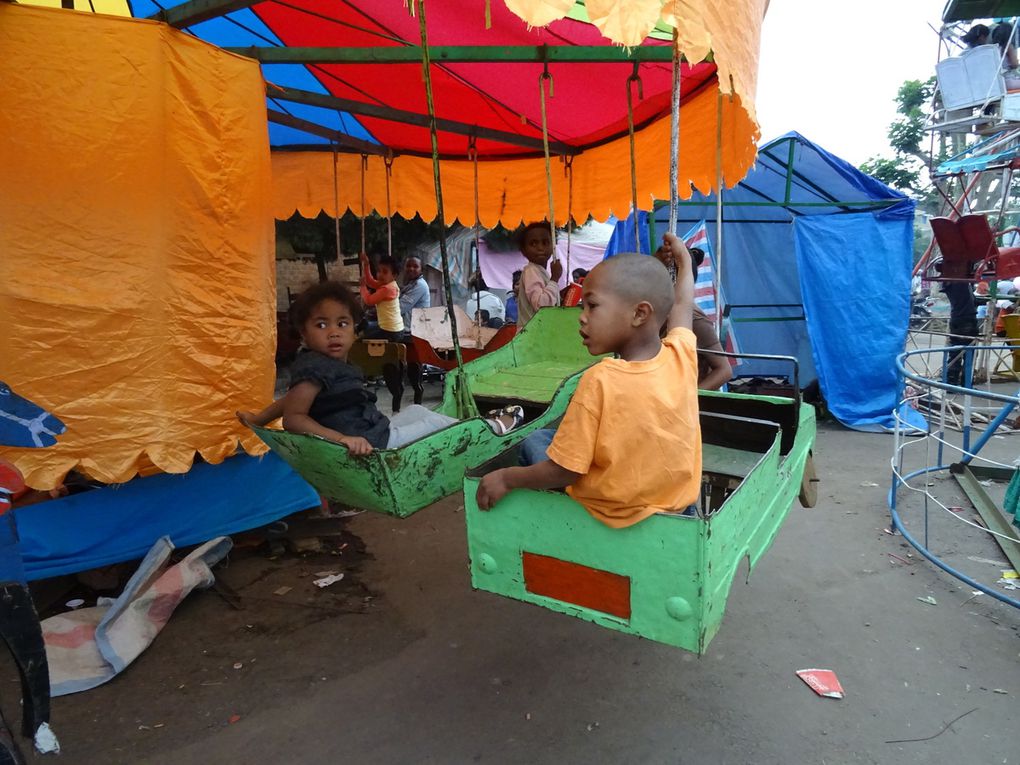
385, 298
536, 289
510, 311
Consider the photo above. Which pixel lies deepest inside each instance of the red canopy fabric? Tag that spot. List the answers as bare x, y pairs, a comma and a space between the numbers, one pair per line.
589, 103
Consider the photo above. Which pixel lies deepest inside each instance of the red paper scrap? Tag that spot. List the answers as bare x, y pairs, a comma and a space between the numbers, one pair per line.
822, 681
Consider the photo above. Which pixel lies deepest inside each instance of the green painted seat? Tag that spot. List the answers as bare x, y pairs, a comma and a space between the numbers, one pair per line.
535, 382
402, 481
666, 578
724, 461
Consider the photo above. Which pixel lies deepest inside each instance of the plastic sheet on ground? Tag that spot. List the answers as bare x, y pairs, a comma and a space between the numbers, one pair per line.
90, 646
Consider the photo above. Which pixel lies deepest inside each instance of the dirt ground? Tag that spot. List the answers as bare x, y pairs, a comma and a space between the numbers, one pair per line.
401, 662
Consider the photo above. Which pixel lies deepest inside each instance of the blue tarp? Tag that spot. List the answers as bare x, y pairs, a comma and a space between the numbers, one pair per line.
241, 29
119, 523
856, 331
623, 239
811, 240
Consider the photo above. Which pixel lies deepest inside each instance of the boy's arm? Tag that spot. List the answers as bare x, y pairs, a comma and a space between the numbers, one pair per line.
683, 296
542, 475
296, 405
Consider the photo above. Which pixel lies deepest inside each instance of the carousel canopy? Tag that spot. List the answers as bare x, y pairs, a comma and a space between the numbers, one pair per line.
346, 75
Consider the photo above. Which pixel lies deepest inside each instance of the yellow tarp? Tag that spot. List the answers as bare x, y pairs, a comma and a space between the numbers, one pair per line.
111, 7
515, 190
137, 295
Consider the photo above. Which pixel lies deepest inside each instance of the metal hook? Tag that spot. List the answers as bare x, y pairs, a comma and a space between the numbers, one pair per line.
635, 77
545, 71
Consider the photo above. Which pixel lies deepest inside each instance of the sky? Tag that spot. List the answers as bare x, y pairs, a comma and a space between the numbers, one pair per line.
830, 70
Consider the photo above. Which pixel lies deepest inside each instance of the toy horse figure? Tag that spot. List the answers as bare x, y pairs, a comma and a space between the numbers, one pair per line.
24, 424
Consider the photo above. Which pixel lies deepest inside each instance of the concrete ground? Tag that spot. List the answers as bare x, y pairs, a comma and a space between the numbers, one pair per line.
403, 663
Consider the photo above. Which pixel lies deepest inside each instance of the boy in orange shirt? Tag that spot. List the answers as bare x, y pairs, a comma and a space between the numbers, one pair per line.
629, 445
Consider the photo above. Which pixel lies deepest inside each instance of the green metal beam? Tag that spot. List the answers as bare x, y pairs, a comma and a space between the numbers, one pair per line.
412, 118
197, 11
789, 171
450, 54
989, 512
341, 139
872, 203
965, 10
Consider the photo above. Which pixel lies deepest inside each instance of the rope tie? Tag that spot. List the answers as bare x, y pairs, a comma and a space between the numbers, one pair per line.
568, 169
466, 402
674, 146
542, 79
336, 206
388, 162
473, 156
634, 78
364, 168
718, 254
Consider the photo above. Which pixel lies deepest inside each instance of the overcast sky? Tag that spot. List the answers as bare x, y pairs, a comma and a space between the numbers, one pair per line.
830, 70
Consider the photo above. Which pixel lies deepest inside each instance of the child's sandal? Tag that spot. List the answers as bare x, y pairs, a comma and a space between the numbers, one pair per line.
514, 412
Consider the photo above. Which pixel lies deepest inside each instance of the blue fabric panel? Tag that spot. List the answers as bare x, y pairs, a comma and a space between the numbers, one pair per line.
757, 252
622, 239
242, 28
855, 282
758, 267
119, 523
281, 136
818, 176
11, 569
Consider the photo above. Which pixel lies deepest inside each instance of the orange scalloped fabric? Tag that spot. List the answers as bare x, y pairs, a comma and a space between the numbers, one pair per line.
514, 190
137, 297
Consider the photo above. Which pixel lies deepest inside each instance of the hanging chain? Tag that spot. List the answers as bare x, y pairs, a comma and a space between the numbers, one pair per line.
634, 78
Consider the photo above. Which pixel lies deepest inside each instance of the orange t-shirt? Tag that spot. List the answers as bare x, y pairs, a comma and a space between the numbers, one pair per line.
632, 431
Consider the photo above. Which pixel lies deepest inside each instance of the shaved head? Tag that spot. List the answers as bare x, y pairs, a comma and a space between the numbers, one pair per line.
636, 278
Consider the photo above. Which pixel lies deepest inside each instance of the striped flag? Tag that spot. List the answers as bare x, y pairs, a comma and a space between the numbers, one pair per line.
704, 285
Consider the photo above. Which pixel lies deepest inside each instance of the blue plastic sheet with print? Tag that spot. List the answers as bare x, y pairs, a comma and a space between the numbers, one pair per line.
119, 523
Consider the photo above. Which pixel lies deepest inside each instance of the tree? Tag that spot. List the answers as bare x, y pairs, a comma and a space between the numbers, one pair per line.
907, 170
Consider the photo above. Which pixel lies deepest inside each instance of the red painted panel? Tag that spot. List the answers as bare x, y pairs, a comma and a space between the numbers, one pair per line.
576, 584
